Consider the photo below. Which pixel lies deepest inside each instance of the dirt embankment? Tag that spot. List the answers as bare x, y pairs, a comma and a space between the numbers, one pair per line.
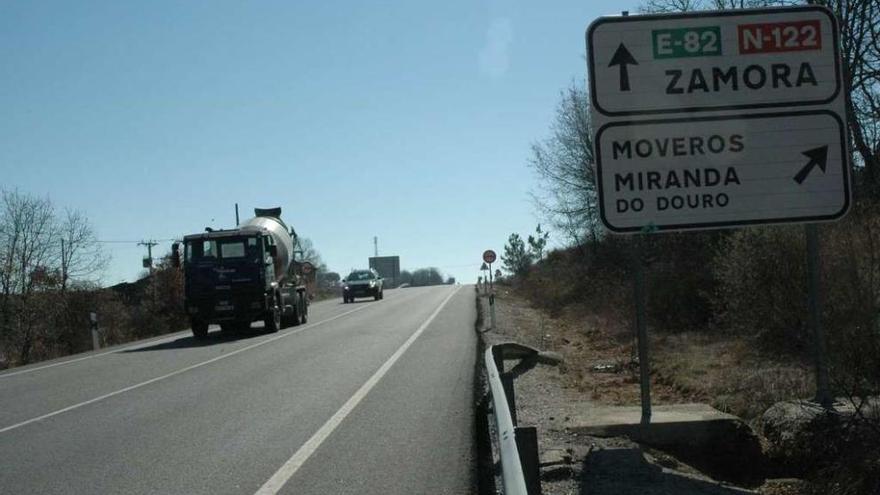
600, 371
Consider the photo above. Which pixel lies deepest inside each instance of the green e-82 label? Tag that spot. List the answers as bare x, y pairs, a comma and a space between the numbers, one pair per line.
687, 42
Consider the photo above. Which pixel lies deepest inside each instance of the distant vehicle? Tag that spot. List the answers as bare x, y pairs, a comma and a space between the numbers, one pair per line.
362, 283
237, 276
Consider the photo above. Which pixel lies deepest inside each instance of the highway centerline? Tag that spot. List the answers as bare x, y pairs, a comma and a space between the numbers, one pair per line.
289, 468
177, 372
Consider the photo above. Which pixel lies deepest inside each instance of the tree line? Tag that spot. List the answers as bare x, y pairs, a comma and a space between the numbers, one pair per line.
47, 257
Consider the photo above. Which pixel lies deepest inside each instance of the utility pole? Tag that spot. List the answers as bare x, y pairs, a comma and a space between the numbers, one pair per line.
376, 246
63, 267
148, 263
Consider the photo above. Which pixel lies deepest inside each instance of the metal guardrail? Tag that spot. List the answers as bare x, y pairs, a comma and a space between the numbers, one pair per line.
518, 446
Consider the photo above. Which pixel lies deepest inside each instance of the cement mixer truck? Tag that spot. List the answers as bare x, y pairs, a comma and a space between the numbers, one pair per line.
238, 276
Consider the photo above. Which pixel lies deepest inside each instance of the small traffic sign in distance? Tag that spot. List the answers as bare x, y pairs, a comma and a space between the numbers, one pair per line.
709, 61
489, 256
307, 267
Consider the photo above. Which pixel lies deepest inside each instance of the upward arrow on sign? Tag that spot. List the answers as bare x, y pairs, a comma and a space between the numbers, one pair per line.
623, 58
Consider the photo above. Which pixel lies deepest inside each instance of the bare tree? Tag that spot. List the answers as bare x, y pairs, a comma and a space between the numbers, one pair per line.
26, 253
564, 165
81, 256
860, 43
309, 253
39, 255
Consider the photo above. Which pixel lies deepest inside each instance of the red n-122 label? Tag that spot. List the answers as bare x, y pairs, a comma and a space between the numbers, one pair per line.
780, 37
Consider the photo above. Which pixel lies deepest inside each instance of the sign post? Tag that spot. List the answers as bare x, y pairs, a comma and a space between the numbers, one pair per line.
720, 119
489, 258
642, 330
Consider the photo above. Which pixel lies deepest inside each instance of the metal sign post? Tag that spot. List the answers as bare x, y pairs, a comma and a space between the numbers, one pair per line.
823, 395
641, 329
489, 257
491, 297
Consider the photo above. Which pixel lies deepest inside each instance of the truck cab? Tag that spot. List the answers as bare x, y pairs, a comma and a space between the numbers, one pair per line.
237, 276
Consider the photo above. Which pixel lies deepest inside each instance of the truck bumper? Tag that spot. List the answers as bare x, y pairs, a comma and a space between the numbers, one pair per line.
233, 308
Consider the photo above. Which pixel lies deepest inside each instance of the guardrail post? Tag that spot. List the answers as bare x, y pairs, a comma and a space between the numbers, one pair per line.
485, 461
507, 382
527, 444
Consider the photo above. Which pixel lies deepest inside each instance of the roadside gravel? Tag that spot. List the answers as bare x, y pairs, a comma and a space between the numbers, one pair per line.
547, 399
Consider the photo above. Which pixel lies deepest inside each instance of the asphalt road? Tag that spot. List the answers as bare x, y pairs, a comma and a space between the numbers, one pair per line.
368, 398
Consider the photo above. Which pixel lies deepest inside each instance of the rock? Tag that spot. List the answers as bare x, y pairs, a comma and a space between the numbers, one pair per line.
799, 434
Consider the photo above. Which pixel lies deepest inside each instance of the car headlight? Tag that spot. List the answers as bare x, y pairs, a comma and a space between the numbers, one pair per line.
372, 283
345, 288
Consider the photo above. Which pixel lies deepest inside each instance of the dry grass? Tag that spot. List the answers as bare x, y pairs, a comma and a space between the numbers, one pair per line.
726, 371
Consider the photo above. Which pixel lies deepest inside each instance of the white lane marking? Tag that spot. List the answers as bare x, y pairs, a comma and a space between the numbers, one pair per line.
135, 345
183, 370
283, 475
142, 343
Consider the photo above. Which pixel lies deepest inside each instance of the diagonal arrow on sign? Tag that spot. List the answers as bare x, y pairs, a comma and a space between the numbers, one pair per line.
818, 157
623, 58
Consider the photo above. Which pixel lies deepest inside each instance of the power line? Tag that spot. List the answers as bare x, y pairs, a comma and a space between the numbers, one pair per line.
132, 242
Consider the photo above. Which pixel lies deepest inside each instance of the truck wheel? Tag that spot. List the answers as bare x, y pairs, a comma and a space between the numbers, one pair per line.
289, 321
304, 310
199, 329
382, 294
376, 295
272, 321
228, 327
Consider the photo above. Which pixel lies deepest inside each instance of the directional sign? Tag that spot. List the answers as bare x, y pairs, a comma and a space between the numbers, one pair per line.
718, 119
489, 256
728, 60
709, 172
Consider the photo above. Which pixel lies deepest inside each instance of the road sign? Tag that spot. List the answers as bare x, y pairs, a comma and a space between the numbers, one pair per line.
707, 61
489, 256
710, 172
307, 267
718, 119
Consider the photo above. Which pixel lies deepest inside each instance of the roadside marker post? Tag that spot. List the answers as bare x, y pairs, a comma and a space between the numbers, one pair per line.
93, 325
720, 119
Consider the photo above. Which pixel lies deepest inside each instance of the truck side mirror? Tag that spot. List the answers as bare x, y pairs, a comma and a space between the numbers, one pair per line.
175, 255
273, 251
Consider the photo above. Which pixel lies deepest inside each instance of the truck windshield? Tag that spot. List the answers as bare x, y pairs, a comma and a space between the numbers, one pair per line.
223, 248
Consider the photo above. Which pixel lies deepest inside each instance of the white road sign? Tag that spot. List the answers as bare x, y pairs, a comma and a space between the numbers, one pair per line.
727, 60
718, 119
711, 172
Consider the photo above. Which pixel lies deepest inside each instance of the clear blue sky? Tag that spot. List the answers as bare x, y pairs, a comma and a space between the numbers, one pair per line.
407, 120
